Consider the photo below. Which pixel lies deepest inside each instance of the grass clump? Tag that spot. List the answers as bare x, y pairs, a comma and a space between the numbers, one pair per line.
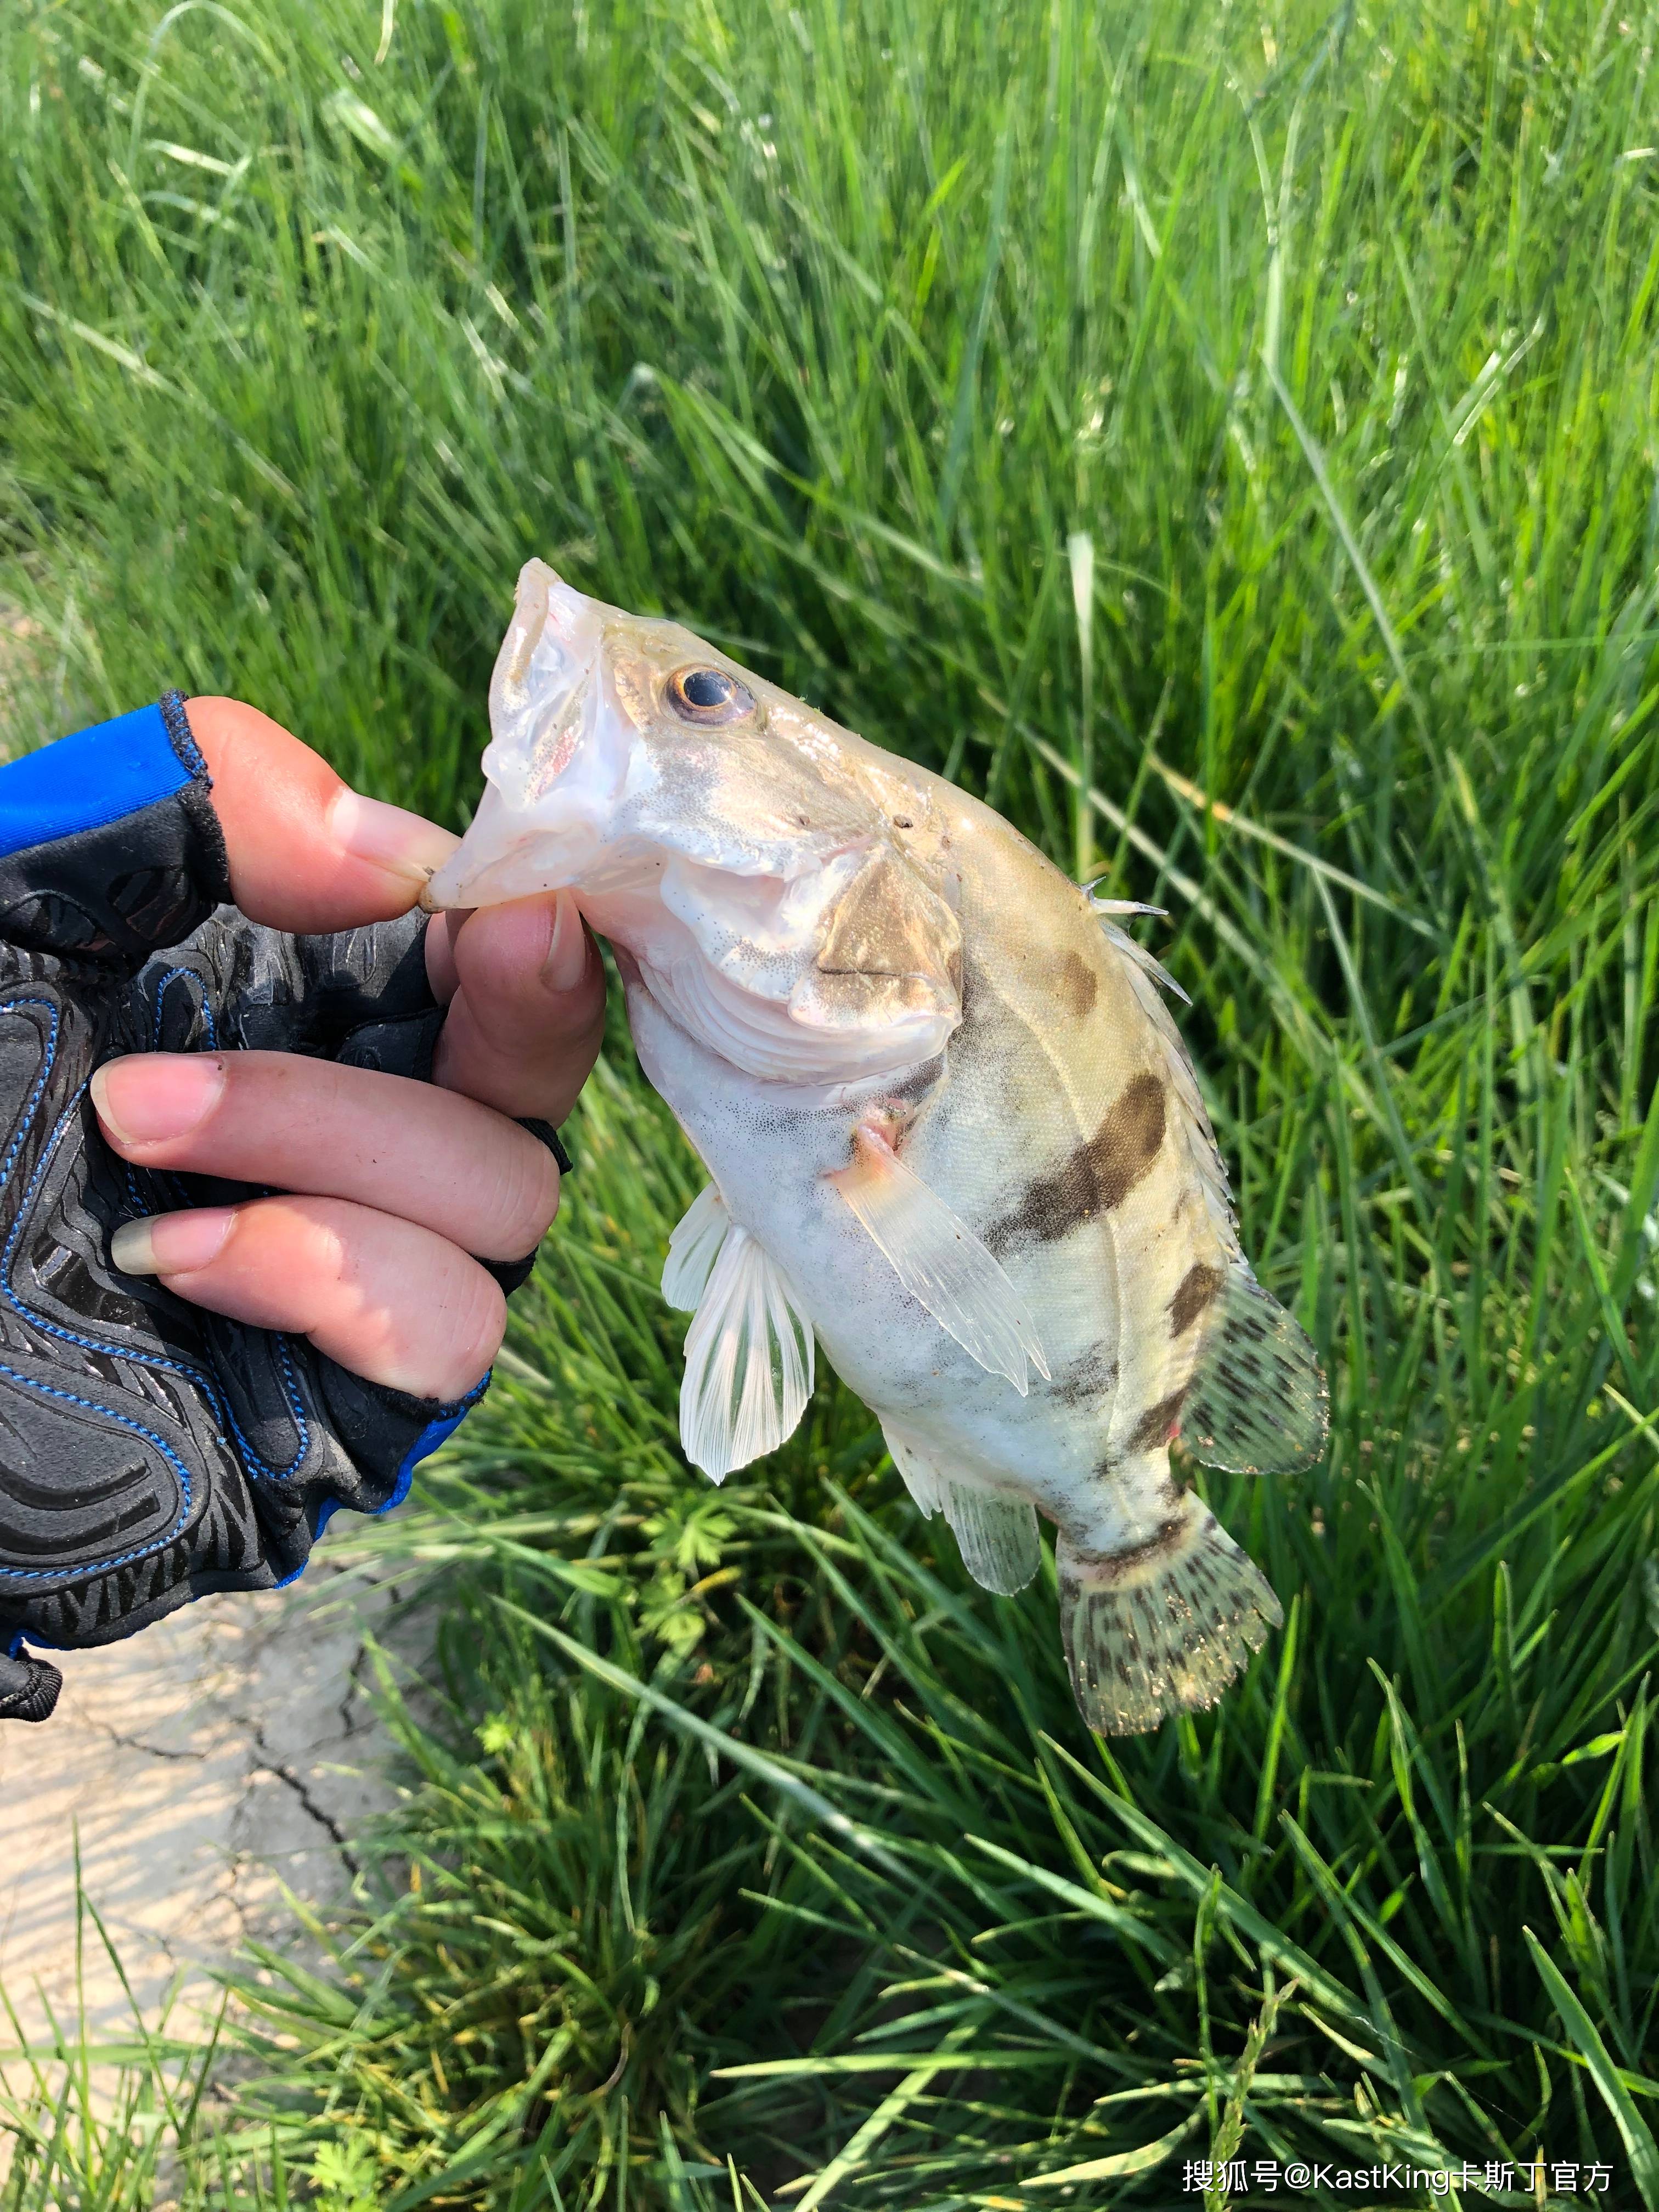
1228, 446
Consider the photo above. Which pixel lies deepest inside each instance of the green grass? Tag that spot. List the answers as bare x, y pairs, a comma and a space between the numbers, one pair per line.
1250, 416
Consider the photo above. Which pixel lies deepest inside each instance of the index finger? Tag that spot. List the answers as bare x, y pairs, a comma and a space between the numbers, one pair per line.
306, 852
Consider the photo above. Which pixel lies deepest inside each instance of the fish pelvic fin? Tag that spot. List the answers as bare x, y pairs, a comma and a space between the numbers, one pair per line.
749, 1354
693, 1249
1258, 1398
1162, 1626
997, 1536
939, 1260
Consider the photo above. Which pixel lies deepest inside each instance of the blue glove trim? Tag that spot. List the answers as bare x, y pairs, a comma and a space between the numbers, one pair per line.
97, 775
434, 1434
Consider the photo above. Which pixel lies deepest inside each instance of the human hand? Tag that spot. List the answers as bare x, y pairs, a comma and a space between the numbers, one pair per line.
175, 1222
394, 1188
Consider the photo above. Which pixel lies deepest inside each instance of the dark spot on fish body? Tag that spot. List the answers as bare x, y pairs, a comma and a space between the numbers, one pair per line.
1076, 985
1123, 1566
1099, 1175
1200, 1286
1157, 1425
1090, 1376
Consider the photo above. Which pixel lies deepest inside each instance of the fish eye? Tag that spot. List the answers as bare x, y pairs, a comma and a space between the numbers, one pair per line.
706, 694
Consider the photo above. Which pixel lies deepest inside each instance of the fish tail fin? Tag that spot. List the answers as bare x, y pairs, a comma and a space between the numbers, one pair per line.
1163, 1626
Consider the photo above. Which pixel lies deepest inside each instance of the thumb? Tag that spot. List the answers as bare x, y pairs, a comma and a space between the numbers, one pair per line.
306, 852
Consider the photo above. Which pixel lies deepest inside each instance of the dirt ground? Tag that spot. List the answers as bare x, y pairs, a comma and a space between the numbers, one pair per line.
202, 1766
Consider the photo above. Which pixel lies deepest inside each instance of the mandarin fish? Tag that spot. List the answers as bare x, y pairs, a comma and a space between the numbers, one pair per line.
951, 1133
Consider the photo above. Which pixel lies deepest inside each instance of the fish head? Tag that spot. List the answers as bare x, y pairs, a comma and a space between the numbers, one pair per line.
739, 847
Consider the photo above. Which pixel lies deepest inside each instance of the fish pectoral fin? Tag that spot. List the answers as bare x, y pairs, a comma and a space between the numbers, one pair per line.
1257, 1398
693, 1249
997, 1537
939, 1260
748, 1359
1163, 1626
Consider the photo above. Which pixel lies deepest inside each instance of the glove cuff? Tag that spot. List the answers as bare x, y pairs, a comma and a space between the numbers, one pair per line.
29, 1687
109, 844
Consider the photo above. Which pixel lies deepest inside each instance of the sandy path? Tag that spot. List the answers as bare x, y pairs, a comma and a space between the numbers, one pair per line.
205, 1763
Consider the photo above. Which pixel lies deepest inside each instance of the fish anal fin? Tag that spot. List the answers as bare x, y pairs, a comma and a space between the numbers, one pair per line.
1164, 1627
943, 1264
748, 1360
1257, 1398
920, 1475
997, 1537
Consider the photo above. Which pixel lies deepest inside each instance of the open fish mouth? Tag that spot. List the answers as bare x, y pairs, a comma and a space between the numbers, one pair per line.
702, 848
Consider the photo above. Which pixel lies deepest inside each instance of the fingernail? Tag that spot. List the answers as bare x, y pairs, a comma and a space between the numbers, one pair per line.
390, 837
566, 962
171, 1243
149, 1096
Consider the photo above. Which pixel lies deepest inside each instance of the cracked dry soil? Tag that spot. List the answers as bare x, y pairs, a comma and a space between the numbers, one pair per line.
204, 1765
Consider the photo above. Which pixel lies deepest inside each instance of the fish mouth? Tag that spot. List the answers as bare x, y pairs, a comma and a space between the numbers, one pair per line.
491, 865
573, 844
570, 798
553, 768
720, 908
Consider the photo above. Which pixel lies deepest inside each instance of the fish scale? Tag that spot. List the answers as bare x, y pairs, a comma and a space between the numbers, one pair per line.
953, 1135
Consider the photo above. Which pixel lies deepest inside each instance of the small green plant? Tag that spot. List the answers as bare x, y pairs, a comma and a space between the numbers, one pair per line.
344, 2177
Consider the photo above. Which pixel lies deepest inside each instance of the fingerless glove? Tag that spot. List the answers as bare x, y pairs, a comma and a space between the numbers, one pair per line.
150, 1451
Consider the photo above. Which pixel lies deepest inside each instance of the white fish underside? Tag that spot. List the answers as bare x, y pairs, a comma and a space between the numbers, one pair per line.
952, 1130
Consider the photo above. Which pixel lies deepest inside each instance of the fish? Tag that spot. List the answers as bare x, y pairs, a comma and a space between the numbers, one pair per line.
953, 1135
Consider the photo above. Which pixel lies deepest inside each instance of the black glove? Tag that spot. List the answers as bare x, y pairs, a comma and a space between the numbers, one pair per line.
150, 1451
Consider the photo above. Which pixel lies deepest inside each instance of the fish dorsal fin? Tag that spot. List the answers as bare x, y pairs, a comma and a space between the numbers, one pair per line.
693, 1249
748, 1351
939, 1261
1148, 979
997, 1536
1257, 1398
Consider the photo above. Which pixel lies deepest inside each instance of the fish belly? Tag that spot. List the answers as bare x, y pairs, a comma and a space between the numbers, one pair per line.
1079, 1447
769, 1155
